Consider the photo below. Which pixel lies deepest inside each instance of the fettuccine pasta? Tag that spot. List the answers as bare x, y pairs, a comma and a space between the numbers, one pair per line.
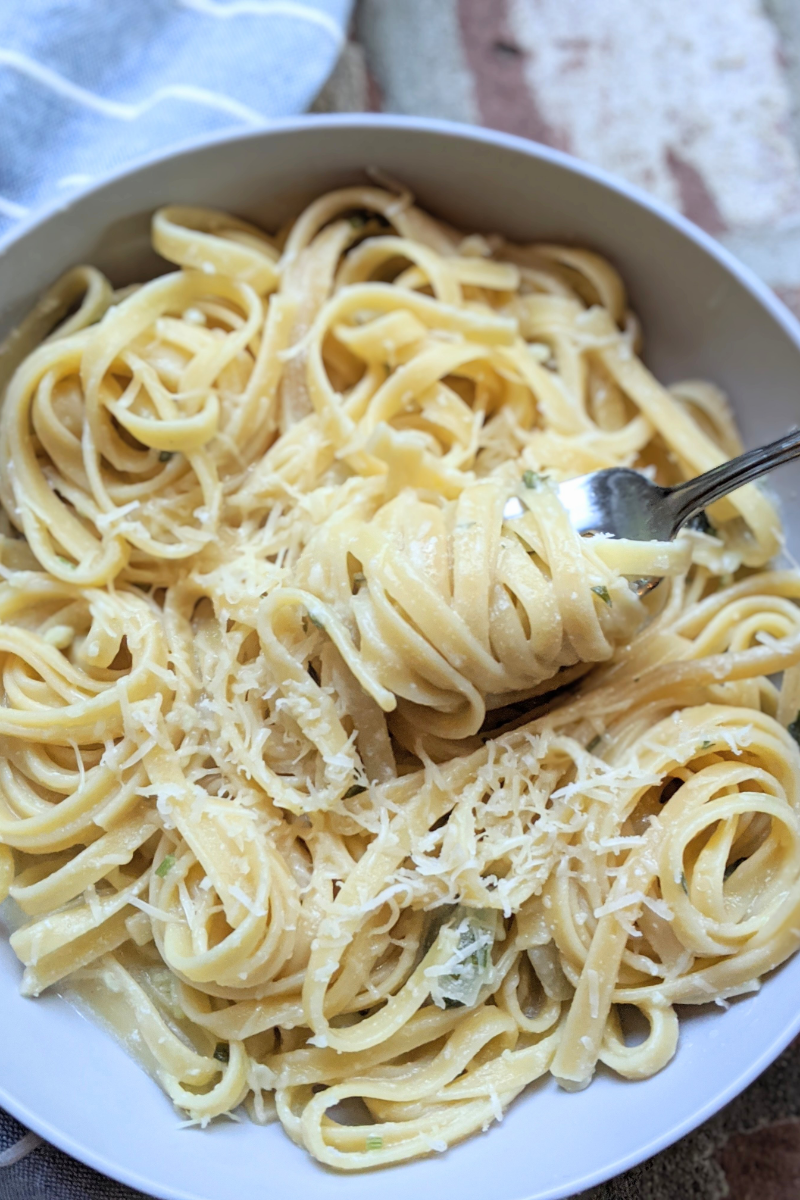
332, 792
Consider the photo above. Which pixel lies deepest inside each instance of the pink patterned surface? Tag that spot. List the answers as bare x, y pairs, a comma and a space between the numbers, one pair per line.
697, 101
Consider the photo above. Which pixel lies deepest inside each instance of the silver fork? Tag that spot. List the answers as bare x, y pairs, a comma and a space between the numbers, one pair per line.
623, 503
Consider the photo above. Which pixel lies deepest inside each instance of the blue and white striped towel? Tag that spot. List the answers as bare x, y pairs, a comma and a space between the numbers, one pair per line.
86, 85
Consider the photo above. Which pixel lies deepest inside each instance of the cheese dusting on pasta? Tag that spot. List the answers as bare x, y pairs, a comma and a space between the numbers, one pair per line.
322, 783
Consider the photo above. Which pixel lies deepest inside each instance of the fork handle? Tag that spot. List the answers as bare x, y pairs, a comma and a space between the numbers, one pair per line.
688, 499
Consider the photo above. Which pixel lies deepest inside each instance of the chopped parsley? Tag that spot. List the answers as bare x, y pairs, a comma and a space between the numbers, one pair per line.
165, 455
222, 1052
374, 1141
532, 479
355, 790
602, 591
794, 729
166, 865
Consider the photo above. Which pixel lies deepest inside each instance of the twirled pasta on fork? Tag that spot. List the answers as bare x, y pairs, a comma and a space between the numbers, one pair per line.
319, 781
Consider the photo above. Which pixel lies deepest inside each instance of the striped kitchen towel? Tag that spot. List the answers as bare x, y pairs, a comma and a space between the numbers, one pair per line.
87, 85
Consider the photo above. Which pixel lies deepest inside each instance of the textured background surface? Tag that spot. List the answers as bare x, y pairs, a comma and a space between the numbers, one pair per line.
698, 101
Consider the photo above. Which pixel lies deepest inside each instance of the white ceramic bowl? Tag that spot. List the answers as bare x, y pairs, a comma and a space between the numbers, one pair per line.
704, 315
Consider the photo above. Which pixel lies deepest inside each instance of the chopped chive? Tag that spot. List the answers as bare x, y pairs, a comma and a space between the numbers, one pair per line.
166, 865
602, 591
165, 455
794, 729
222, 1052
475, 930
595, 742
355, 790
374, 1141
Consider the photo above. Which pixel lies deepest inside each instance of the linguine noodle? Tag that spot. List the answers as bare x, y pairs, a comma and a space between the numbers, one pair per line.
328, 790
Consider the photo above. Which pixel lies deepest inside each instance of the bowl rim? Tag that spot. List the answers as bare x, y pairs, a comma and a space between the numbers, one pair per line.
474, 134
436, 125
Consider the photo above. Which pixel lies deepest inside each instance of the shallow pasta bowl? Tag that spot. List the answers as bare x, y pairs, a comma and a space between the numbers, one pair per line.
703, 316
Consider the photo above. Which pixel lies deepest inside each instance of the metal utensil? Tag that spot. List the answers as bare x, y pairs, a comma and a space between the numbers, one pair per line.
623, 503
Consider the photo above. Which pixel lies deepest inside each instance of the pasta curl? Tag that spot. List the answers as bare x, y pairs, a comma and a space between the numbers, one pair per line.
325, 786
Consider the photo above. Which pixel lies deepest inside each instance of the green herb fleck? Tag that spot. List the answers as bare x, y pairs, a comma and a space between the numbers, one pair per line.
374, 1141
166, 865
222, 1052
316, 621
602, 591
532, 479
595, 742
471, 965
706, 745
66, 562
355, 790
165, 455
684, 883
794, 729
